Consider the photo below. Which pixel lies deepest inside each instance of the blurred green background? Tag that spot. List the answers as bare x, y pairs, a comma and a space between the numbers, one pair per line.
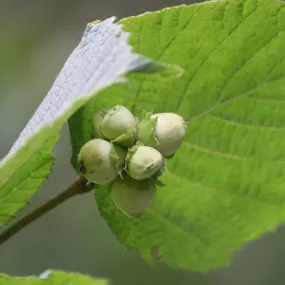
36, 37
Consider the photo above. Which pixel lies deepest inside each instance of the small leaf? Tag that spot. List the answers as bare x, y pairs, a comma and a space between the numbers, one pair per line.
126, 139
226, 185
52, 278
101, 59
146, 129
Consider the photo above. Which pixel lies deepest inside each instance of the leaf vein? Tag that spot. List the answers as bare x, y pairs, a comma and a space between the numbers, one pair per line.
235, 72
234, 195
229, 155
238, 124
209, 56
239, 96
159, 217
133, 109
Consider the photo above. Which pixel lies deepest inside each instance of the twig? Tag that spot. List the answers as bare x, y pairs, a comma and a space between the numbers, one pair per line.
80, 186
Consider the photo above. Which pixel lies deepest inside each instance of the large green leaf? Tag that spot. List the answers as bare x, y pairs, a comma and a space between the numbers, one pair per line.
52, 278
226, 184
101, 59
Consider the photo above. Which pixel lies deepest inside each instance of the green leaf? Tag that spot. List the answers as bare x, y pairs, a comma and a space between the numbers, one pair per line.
226, 185
52, 278
101, 59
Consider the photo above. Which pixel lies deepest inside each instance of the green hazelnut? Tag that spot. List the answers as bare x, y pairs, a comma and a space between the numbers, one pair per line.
97, 121
170, 131
100, 161
132, 197
143, 162
119, 125
163, 131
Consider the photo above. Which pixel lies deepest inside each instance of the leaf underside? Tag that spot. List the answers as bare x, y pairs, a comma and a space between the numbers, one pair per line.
226, 185
101, 59
52, 278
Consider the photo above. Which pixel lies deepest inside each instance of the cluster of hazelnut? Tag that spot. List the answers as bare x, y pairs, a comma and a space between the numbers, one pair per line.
130, 153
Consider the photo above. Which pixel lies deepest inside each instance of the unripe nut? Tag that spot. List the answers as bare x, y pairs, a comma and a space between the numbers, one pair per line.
170, 132
132, 197
97, 121
164, 131
143, 162
118, 122
100, 161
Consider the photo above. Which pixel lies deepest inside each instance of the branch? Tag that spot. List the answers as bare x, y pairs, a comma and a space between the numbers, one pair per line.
80, 186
